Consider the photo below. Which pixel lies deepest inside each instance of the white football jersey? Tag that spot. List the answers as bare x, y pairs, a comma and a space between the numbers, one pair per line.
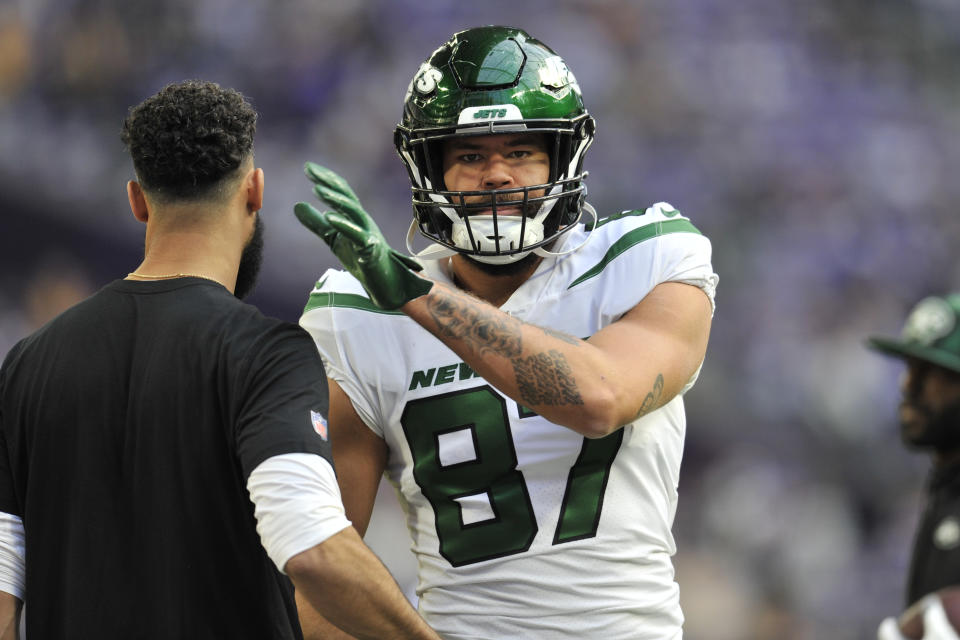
523, 528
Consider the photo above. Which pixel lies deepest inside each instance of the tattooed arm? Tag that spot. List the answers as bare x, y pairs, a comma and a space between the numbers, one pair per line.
594, 386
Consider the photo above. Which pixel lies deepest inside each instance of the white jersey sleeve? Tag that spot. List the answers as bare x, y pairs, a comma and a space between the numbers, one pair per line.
634, 251
339, 290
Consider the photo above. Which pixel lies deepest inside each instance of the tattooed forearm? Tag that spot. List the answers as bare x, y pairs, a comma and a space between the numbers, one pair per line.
462, 320
650, 402
546, 379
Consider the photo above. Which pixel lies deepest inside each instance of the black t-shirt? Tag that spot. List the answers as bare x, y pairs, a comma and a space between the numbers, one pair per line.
936, 548
128, 428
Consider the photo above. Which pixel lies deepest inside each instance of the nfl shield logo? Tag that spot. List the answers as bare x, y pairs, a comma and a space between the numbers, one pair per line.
319, 424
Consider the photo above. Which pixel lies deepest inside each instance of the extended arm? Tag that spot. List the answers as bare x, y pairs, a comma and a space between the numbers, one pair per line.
592, 386
343, 580
301, 523
10, 606
313, 625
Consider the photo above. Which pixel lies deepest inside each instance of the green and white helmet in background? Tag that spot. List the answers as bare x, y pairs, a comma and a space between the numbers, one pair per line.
494, 80
931, 333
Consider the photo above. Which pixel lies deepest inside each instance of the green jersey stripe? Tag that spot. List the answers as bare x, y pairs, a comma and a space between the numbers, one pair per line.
617, 216
636, 237
344, 300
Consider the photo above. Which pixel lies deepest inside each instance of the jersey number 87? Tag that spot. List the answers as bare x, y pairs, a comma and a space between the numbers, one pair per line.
481, 414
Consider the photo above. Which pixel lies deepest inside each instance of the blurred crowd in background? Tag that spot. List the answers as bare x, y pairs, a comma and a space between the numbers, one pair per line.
814, 142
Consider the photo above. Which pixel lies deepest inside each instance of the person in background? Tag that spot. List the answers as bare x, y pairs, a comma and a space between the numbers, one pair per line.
930, 421
164, 456
520, 381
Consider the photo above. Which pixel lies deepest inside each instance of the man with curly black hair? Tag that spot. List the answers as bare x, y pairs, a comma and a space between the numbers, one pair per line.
174, 163
164, 455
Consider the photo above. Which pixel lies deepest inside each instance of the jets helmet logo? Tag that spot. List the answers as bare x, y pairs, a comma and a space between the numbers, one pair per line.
554, 73
932, 319
427, 80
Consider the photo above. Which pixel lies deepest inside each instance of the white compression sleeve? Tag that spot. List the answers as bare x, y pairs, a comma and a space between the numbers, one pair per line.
13, 551
890, 630
936, 625
297, 504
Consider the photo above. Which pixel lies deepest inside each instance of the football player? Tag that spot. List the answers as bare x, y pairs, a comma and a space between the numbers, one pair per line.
520, 380
930, 420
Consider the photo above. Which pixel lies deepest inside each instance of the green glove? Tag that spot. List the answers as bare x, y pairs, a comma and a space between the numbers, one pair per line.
389, 277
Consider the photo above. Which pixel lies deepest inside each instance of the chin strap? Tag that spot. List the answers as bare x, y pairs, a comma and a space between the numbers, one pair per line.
541, 251
433, 251
437, 251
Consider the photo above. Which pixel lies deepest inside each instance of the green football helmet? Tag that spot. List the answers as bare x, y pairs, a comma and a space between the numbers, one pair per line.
485, 81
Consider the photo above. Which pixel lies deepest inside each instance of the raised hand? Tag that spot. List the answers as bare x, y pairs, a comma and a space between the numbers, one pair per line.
389, 277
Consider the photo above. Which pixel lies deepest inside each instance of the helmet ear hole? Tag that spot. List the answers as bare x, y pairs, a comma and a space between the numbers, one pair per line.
585, 129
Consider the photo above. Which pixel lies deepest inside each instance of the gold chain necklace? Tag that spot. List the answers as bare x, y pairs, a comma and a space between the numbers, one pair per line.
171, 276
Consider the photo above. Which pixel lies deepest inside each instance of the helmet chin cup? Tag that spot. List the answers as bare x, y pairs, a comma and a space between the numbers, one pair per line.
510, 259
496, 234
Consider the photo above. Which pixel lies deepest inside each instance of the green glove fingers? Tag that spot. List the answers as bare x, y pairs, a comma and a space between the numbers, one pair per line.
323, 176
349, 207
314, 220
356, 234
337, 194
389, 277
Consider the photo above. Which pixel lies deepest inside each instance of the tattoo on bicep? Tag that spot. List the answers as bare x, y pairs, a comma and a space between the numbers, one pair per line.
481, 331
546, 379
650, 402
